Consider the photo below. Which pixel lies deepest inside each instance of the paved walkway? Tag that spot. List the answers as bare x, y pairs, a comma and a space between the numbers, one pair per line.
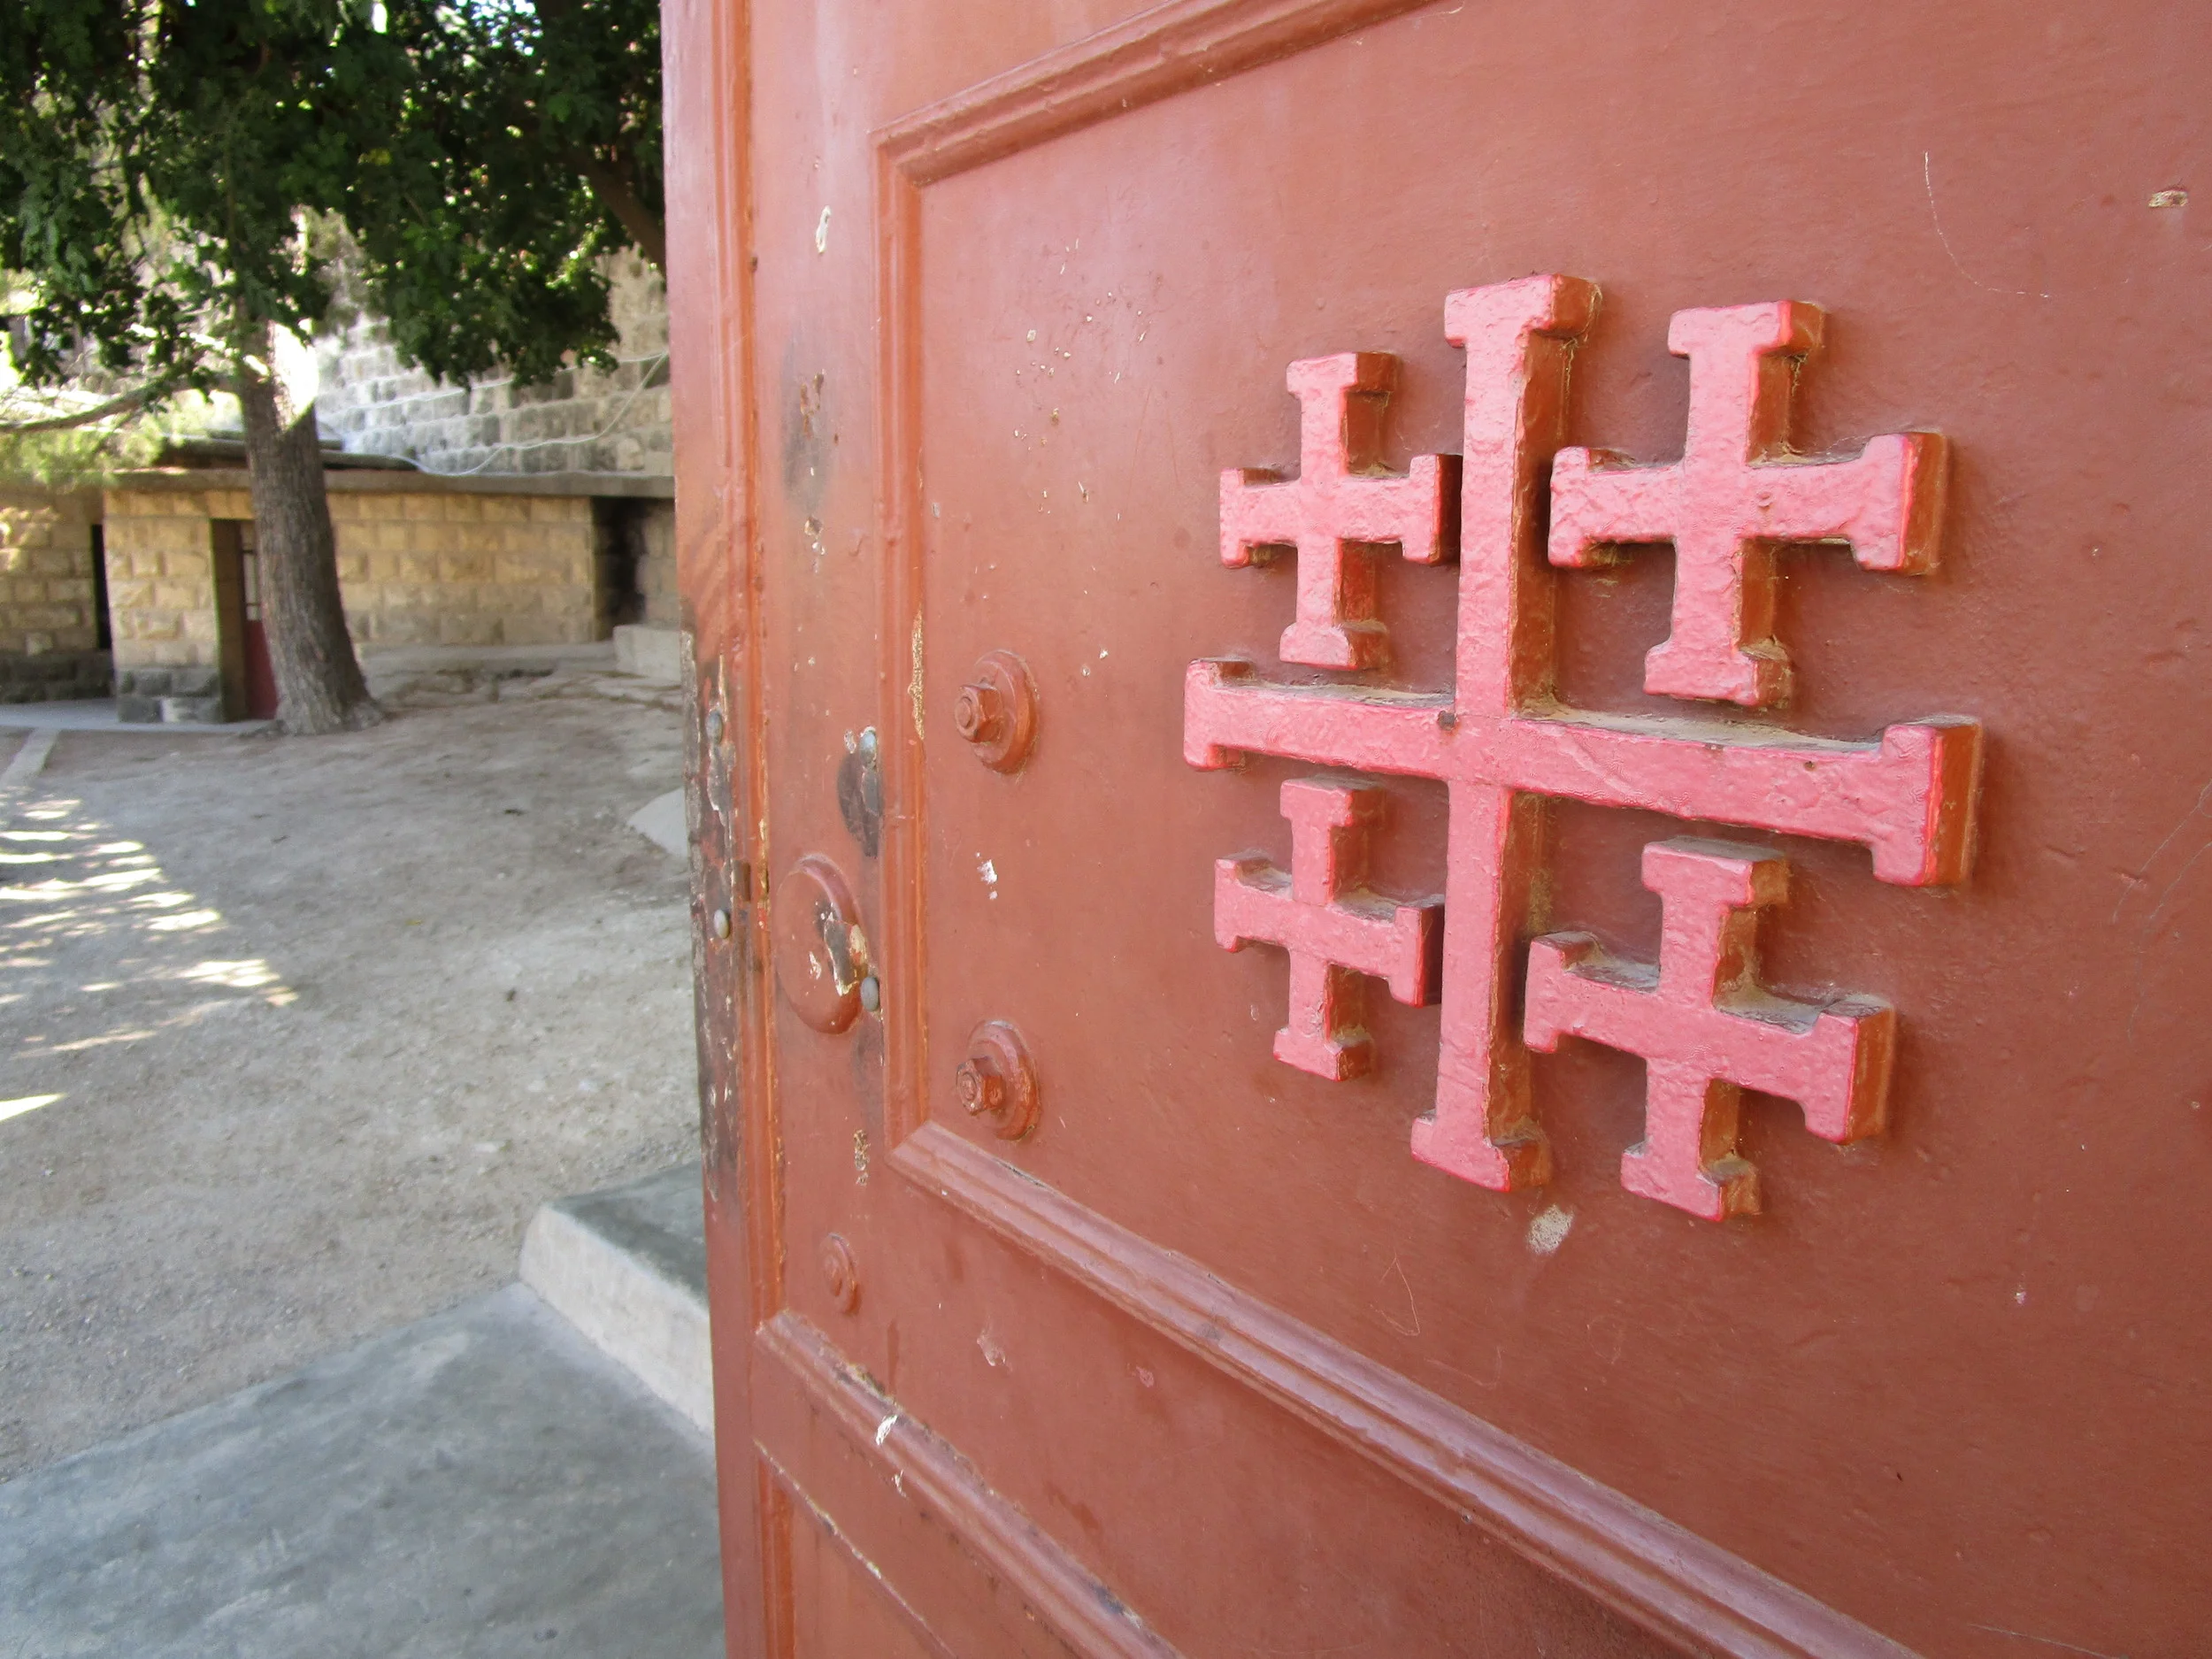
479, 1484
97, 714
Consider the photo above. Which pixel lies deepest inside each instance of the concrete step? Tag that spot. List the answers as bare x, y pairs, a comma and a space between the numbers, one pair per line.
653, 653
627, 1267
478, 1483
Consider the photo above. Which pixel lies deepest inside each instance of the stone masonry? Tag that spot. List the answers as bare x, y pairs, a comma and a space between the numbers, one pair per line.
50, 633
422, 561
583, 421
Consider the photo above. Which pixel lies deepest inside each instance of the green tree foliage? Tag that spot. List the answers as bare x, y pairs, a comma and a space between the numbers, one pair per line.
165, 165
528, 146
160, 162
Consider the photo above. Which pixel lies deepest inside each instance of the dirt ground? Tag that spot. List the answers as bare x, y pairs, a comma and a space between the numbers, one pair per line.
296, 1033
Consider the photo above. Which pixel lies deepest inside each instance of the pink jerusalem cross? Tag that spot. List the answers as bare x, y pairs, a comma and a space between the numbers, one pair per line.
1502, 742
1334, 931
1340, 503
1705, 1027
1736, 494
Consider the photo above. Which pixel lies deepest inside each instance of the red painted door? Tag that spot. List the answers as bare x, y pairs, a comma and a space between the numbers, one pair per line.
1357, 996
260, 677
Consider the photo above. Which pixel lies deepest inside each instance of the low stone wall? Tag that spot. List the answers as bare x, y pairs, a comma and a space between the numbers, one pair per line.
450, 569
55, 676
422, 561
161, 566
49, 644
174, 696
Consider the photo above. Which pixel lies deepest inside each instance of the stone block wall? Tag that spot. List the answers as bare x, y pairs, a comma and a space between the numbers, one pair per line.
423, 569
49, 624
424, 566
161, 574
656, 569
584, 421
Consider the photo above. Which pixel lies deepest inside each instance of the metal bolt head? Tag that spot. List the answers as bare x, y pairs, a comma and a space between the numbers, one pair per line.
714, 725
720, 923
871, 993
996, 1080
996, 712
978, 1086
979, 716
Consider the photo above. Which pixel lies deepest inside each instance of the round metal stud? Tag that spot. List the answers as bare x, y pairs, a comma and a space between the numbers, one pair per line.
997, 710
821, 954
996, 1080
720, 923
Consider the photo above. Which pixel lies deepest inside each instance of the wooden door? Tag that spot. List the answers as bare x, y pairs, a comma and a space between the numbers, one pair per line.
260, 672
248, 678
1356, 999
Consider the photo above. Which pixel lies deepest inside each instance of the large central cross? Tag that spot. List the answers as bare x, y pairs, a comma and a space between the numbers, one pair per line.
1500, 742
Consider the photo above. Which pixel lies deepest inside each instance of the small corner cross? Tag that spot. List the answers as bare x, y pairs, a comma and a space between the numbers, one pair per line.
1340, 503
1736, 493
1705, 1027
1335, 930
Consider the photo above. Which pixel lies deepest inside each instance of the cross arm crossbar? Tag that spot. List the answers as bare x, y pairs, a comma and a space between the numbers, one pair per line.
1907, 796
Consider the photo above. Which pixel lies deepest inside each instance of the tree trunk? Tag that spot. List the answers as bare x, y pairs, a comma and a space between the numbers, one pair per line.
319, 687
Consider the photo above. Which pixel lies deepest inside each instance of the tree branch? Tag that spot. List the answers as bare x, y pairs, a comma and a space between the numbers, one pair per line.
612, 188
128, 402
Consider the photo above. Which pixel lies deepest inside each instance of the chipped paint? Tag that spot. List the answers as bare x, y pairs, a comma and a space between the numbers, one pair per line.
1549, 1230
914, 685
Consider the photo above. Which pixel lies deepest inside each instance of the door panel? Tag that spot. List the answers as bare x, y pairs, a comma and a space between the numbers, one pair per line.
1208, 1360
839, 1608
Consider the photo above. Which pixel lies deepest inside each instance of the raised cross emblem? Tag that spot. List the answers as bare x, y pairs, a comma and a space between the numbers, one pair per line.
1704, 1026
1736, 495
1502, 744
1340, 506
1335, 931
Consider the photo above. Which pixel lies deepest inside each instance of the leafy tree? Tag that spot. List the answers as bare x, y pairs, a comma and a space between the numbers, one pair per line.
528, 147
165, 165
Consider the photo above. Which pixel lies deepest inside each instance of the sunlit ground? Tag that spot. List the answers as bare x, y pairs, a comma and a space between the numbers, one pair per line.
295, 1036
68, 878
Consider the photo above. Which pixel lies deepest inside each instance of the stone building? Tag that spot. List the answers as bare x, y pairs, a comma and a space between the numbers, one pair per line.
53, 608
447, 566
469, 519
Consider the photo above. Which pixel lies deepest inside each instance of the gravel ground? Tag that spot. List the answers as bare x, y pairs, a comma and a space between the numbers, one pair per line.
296, 1033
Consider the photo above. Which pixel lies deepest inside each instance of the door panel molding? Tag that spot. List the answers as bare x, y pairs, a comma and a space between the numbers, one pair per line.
1155, 55
800, 1378
1641, 1564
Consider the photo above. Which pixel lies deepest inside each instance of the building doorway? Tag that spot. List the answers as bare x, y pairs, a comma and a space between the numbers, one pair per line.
250, 690
103, 622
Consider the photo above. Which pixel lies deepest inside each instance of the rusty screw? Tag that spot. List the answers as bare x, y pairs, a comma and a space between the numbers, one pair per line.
979, 716
997, 1081
978, 1086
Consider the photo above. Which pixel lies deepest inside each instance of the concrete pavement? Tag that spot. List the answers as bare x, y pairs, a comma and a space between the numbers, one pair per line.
481, 1482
